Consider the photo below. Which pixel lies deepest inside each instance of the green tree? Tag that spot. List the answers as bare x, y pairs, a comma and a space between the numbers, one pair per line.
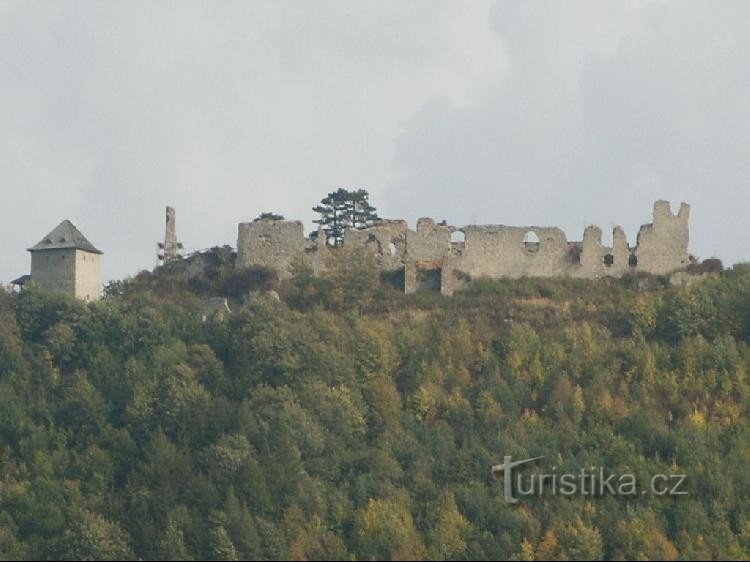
344, 209
270, 216
172, 544
241, 528
448, 537
386, 531
354, 277
221, 547
94, 538
10, 547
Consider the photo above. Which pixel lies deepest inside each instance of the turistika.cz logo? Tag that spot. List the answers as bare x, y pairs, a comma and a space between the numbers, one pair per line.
592, 481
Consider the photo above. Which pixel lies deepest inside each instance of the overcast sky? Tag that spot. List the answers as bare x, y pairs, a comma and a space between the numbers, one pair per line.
545, 113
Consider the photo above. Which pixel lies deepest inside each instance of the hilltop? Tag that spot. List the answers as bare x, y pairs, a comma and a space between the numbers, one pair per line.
345, 419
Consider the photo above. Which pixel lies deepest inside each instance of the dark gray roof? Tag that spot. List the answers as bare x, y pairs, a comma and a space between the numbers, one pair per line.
65, 236
21, 280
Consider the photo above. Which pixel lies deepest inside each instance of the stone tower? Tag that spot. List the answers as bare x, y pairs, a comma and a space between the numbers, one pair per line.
170, 248
66, 262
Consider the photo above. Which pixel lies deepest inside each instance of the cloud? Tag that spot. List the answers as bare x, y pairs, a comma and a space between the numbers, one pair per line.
223, 110
516, 112
603, 109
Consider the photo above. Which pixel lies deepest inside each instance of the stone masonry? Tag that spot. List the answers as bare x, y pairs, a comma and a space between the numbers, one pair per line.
449, 257
170, 247
64, 261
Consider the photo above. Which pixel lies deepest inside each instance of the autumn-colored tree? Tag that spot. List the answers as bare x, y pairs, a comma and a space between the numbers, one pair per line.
344, 421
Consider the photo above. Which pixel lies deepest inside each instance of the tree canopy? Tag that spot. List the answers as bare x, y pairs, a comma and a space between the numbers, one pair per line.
269, 216
342, 209
348, 421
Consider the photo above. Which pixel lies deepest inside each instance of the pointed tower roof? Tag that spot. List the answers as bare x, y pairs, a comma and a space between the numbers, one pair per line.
65, 236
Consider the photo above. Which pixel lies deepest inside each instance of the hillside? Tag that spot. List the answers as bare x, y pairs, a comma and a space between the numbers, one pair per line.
347, 421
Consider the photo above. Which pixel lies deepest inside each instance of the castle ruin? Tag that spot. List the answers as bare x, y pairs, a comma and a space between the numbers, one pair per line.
434, 256
444, 257
170, 248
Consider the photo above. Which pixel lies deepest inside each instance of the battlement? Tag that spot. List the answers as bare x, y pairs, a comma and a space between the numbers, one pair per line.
455, 255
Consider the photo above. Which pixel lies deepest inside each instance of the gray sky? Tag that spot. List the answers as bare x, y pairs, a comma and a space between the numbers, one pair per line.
546, 113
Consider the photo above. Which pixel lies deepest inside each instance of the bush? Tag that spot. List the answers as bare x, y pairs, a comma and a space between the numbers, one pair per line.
241, 282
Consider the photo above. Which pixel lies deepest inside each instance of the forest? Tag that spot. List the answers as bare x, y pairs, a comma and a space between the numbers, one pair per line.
336, 418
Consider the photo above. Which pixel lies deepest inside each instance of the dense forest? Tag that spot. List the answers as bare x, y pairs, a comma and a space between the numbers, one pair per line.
344, 420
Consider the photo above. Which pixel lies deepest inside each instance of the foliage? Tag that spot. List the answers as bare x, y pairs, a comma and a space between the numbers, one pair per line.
238, 284
269, 216
349, 422
342, 209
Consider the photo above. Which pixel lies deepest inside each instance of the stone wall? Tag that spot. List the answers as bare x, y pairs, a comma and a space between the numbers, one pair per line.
429, 242
509, 251
69, 271
387, 240
662, 246
270, 243
88, 275
55, 270
433, 253
170, 248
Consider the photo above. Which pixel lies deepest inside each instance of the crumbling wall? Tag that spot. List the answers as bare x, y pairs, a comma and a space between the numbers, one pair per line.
662, 246
621, 256
386, 240
430, 241
316, 252
429, 256
448, 276
170, 246
270, 243
427, 248
592, 253
504, 251
597, 260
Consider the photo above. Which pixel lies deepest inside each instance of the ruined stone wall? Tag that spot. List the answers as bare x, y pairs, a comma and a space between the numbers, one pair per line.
317, 252
429, 242
387, 241
501, 251
270, 243
597, 260
430, 256
662, 246
170, 246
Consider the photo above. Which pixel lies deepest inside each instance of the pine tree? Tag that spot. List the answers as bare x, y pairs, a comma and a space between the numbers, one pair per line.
222, 547
342, 209
172, 544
